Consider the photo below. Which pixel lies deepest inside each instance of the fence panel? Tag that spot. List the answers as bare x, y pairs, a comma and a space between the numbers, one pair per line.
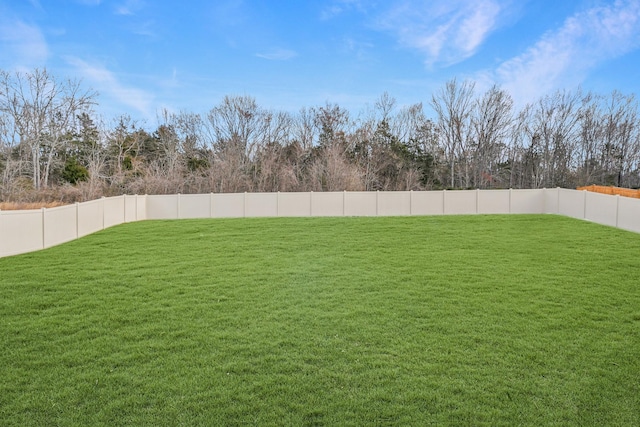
494, 202
394, 203
162, 206
551, 200
427, 203
130, 208
90, 217
228, 205
20, 232
527, 201
360, 203
194, 206
113, 211
571, 203
460, 202
60, 225
327, 204
141, 208
601, 208
261, 204
629, 214
294, 204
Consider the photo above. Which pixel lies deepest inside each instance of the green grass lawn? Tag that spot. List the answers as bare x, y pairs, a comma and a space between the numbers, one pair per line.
463, 320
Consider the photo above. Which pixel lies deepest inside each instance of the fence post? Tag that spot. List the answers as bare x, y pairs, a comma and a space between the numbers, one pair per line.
444, 194
377, 198
558, 206
344, 202
124, 208
77, 220
278, 204
244, 205
210, 205
584, 206
617, 209
103, 210
43, 226
311, 203
410, 202
477, 201
178, 205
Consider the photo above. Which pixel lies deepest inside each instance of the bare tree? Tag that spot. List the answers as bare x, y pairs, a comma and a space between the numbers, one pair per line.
237, 123
385, 105
619, 137
491, 125
453, 105
303, 128
42, 110
11, 163
553, 129
170, 164
333, 124
420, 134
588, 149
123, 145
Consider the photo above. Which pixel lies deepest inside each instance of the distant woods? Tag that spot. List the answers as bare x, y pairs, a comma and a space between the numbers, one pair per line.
53, 146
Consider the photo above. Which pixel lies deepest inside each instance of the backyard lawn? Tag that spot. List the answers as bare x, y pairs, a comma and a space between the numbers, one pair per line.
459, 320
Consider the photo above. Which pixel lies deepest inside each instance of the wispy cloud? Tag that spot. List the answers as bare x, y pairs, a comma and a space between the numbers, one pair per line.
90, 2
107, 83
129, 7
123, 10
36, 4
357, 48
445, 31
565, 56
229, 13
338, 7
147, 29
22, 45
277, 54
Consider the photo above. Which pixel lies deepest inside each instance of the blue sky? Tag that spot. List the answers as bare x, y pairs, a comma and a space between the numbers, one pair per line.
143, 56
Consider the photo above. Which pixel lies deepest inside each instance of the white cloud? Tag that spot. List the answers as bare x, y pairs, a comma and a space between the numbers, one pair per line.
277, 54
564, 57
475, 26
22, 45
107, 83
445, 31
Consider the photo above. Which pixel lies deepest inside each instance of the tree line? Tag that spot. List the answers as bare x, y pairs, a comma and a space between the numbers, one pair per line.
54, 146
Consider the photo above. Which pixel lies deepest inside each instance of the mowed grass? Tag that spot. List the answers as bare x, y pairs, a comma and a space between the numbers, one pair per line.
465, 320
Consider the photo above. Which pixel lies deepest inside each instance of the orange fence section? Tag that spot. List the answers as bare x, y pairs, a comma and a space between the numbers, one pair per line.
626, 192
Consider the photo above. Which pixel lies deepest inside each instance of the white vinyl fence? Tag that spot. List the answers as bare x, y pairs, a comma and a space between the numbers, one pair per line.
30, 230
25, 231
